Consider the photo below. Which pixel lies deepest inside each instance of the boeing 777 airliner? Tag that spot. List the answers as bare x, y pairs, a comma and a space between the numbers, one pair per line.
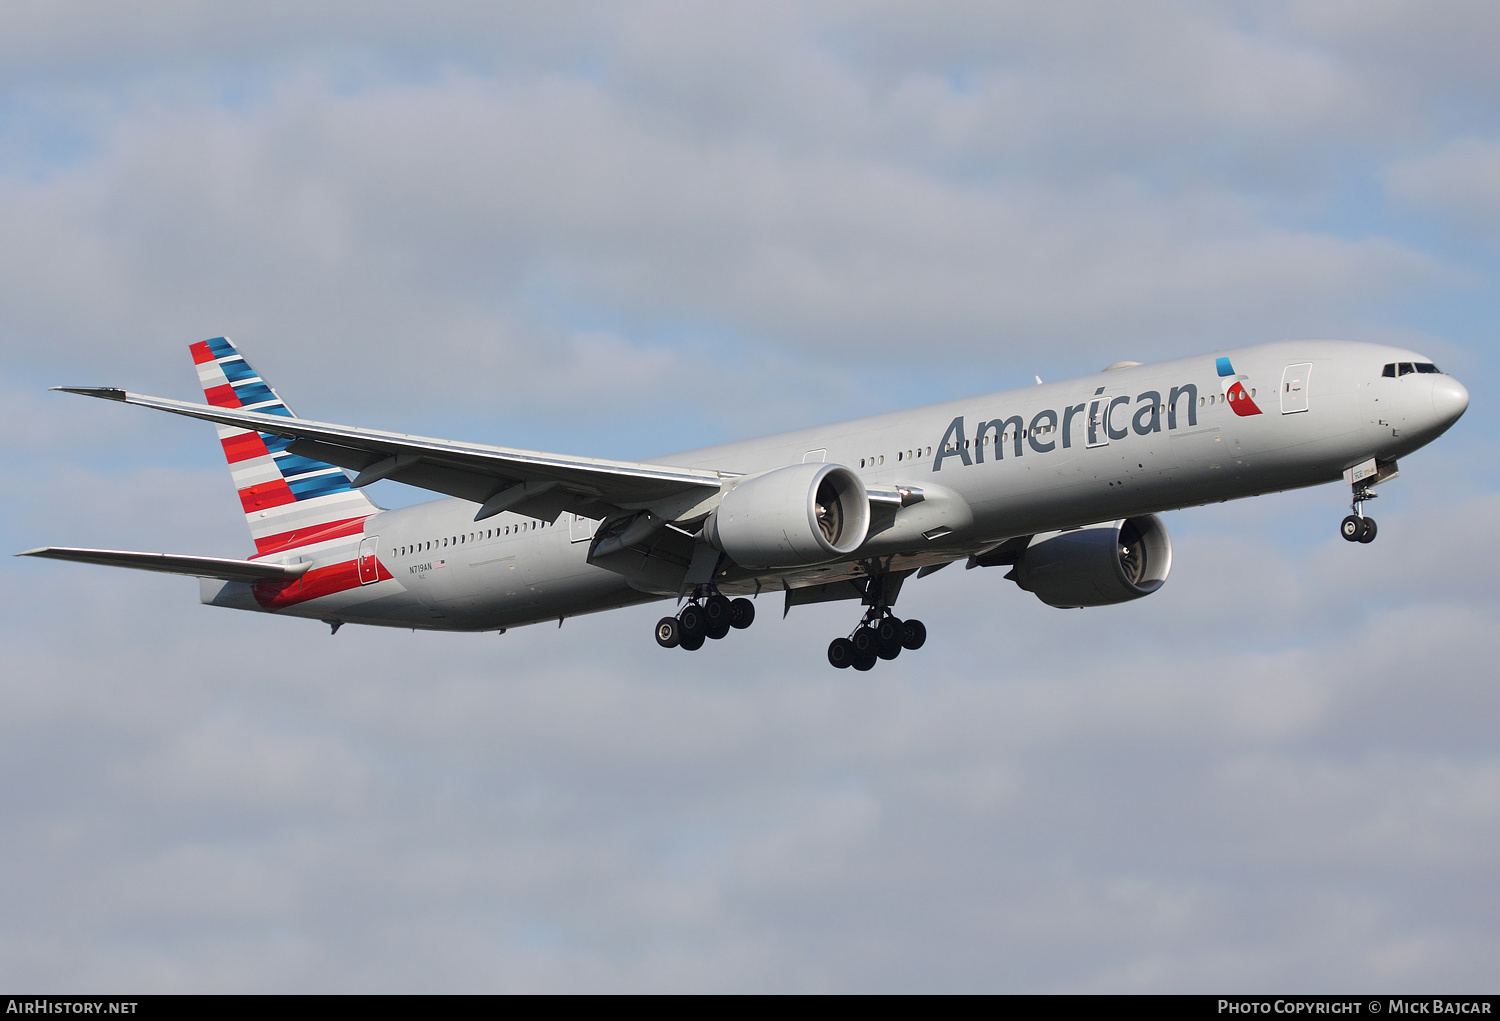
1061, 483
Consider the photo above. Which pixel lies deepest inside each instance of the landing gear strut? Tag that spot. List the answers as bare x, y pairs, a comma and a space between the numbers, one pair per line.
880, 635
707, 615
1356, 527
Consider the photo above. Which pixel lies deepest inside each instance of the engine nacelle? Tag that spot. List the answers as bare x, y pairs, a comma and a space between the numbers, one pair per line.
791, 517
1097, 565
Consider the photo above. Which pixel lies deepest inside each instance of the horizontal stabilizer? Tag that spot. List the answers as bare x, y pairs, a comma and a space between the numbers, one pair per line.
167, 563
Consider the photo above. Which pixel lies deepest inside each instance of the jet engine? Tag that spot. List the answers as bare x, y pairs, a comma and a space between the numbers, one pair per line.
791, 517
1111, 562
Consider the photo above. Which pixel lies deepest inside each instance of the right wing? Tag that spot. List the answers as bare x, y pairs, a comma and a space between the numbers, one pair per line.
497, 478
168, 563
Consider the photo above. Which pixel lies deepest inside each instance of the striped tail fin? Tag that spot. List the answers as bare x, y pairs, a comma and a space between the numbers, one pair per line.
290, 501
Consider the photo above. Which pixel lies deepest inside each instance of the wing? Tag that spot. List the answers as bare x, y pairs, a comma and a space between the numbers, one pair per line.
498, 478
167, 563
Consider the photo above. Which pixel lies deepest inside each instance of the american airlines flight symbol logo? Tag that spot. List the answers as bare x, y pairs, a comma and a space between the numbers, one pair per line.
1234, 390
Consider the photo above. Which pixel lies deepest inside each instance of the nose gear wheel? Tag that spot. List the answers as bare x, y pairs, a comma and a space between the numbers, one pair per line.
1356, 527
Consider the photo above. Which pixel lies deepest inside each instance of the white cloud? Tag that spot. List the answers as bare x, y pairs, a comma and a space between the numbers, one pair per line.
431, 227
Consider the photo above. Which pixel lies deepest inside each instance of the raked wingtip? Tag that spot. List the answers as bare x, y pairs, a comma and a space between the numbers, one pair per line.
109, 393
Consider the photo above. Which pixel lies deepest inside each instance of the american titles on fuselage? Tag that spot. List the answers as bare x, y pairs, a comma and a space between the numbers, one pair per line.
1098, 417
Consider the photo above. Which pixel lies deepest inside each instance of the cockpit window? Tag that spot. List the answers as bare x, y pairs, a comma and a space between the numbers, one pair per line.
1390, 371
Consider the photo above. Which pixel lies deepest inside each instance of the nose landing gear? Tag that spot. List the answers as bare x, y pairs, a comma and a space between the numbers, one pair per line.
707, 615
1356, 527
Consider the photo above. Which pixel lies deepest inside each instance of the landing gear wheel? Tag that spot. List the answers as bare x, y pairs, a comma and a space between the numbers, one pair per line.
865, 643
718, 629
692, 643
888, 634
1367, 533
741, 613
864, 662
1352, 528
914, 635
718, 611
694, 622
841, 653
668, 633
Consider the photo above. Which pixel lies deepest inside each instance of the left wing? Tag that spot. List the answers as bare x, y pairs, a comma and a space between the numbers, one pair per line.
498, 478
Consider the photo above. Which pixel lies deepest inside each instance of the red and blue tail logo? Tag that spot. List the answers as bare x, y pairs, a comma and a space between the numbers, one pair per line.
1239, 398
290, 501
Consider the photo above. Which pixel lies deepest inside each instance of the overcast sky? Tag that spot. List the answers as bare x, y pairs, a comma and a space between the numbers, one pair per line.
627, 229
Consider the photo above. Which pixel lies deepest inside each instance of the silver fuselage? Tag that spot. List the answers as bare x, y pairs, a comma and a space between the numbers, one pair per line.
1121, 443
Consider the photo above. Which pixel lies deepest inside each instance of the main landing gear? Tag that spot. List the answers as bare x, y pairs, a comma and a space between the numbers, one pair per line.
707, 615
1356, 527
881, 635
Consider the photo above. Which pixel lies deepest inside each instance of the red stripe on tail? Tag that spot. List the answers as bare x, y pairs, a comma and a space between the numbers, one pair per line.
244, 446
282, 541
222, 396
266, 495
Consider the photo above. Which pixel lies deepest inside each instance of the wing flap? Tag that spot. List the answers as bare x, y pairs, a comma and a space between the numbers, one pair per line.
169, 563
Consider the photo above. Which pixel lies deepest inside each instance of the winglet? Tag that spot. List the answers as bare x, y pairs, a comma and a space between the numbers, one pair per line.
109, 393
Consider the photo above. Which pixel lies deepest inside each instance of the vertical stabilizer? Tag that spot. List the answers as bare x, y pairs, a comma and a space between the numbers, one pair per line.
290, 501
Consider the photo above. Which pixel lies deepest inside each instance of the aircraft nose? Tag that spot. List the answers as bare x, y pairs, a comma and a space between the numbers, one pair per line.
1449, 399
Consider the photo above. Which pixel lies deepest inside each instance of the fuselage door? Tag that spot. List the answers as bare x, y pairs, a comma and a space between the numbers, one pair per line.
580, 528
1294, 387
369, 570
1097, 424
